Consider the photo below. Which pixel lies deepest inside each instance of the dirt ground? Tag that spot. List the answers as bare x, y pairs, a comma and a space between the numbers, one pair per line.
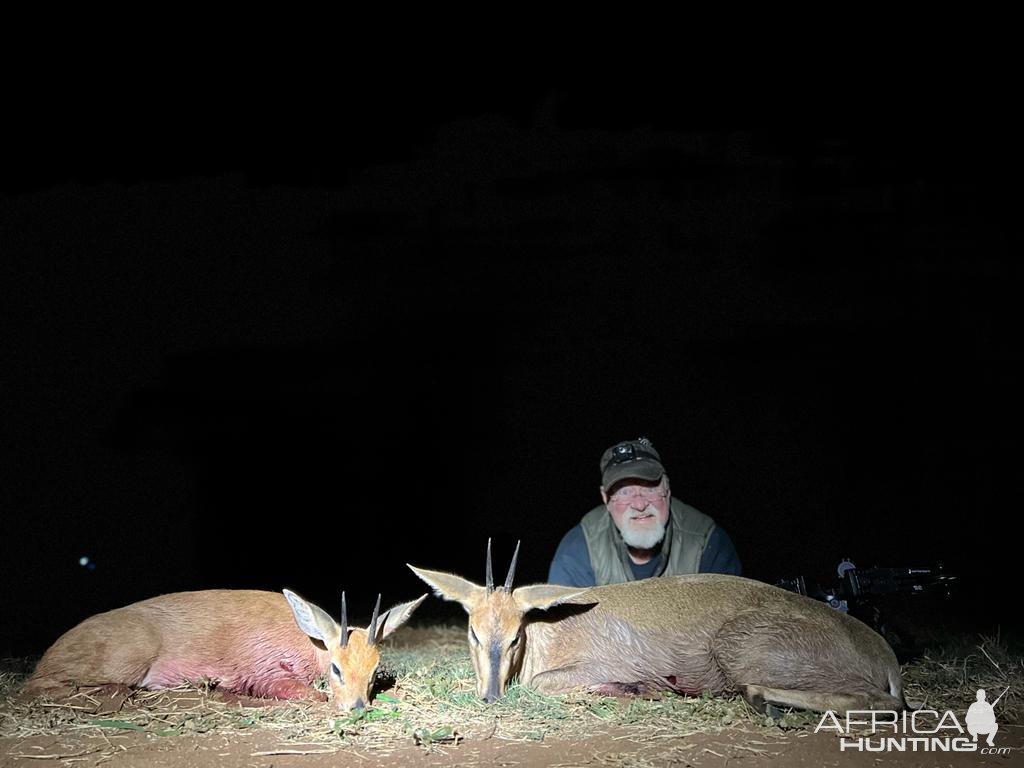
259, 749
618, 746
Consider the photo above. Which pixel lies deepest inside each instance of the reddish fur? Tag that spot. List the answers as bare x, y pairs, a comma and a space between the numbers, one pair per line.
245, 641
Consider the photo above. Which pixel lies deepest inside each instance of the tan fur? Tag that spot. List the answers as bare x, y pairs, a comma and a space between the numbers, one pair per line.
244, 641
703, 632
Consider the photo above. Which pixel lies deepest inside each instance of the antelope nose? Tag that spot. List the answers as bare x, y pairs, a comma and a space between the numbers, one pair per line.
360, 704
490, 698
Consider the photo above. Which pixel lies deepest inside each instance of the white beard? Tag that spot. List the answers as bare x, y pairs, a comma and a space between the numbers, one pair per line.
646, 537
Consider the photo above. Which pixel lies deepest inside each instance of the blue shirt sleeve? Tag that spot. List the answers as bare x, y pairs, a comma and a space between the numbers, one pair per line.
571, 564
720, 555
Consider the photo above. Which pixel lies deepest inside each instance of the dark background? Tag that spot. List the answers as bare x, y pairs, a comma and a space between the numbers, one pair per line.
256, 346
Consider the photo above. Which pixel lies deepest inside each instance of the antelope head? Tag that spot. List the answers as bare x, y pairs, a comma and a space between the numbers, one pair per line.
496, 638
354, 652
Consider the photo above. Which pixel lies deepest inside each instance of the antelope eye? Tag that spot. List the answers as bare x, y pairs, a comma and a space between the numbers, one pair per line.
336, 671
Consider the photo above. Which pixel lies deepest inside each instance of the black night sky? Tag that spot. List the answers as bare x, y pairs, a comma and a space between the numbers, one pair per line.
257, 348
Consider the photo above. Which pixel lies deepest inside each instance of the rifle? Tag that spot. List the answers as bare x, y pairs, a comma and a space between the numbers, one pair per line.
859, 591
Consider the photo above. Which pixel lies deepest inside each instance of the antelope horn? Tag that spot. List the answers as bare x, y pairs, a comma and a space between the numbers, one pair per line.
512, 568
490, 575
344, 622
371, 632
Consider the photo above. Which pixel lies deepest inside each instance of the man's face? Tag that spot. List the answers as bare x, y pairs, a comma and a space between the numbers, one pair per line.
640, 510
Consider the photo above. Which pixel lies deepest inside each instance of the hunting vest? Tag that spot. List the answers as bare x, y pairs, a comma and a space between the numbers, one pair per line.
686, 536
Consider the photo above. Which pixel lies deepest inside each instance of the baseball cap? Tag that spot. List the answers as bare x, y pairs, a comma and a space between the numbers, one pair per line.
632, 459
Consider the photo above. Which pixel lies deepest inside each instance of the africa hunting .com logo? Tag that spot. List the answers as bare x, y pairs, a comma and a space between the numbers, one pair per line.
920, 730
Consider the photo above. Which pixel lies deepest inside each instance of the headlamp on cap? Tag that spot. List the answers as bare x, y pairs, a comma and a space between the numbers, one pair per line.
630, 459
630, 451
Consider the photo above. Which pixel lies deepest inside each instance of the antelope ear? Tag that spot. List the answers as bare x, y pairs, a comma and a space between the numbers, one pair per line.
448, 586
396, 616
543, 596
313, 620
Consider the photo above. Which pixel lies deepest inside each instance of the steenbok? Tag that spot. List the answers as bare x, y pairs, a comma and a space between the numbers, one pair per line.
249, 642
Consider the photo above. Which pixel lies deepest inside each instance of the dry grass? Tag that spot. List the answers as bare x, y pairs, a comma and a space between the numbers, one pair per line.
949, 675
433, 702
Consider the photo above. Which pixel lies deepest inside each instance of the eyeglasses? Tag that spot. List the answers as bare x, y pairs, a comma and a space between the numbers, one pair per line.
628, 492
